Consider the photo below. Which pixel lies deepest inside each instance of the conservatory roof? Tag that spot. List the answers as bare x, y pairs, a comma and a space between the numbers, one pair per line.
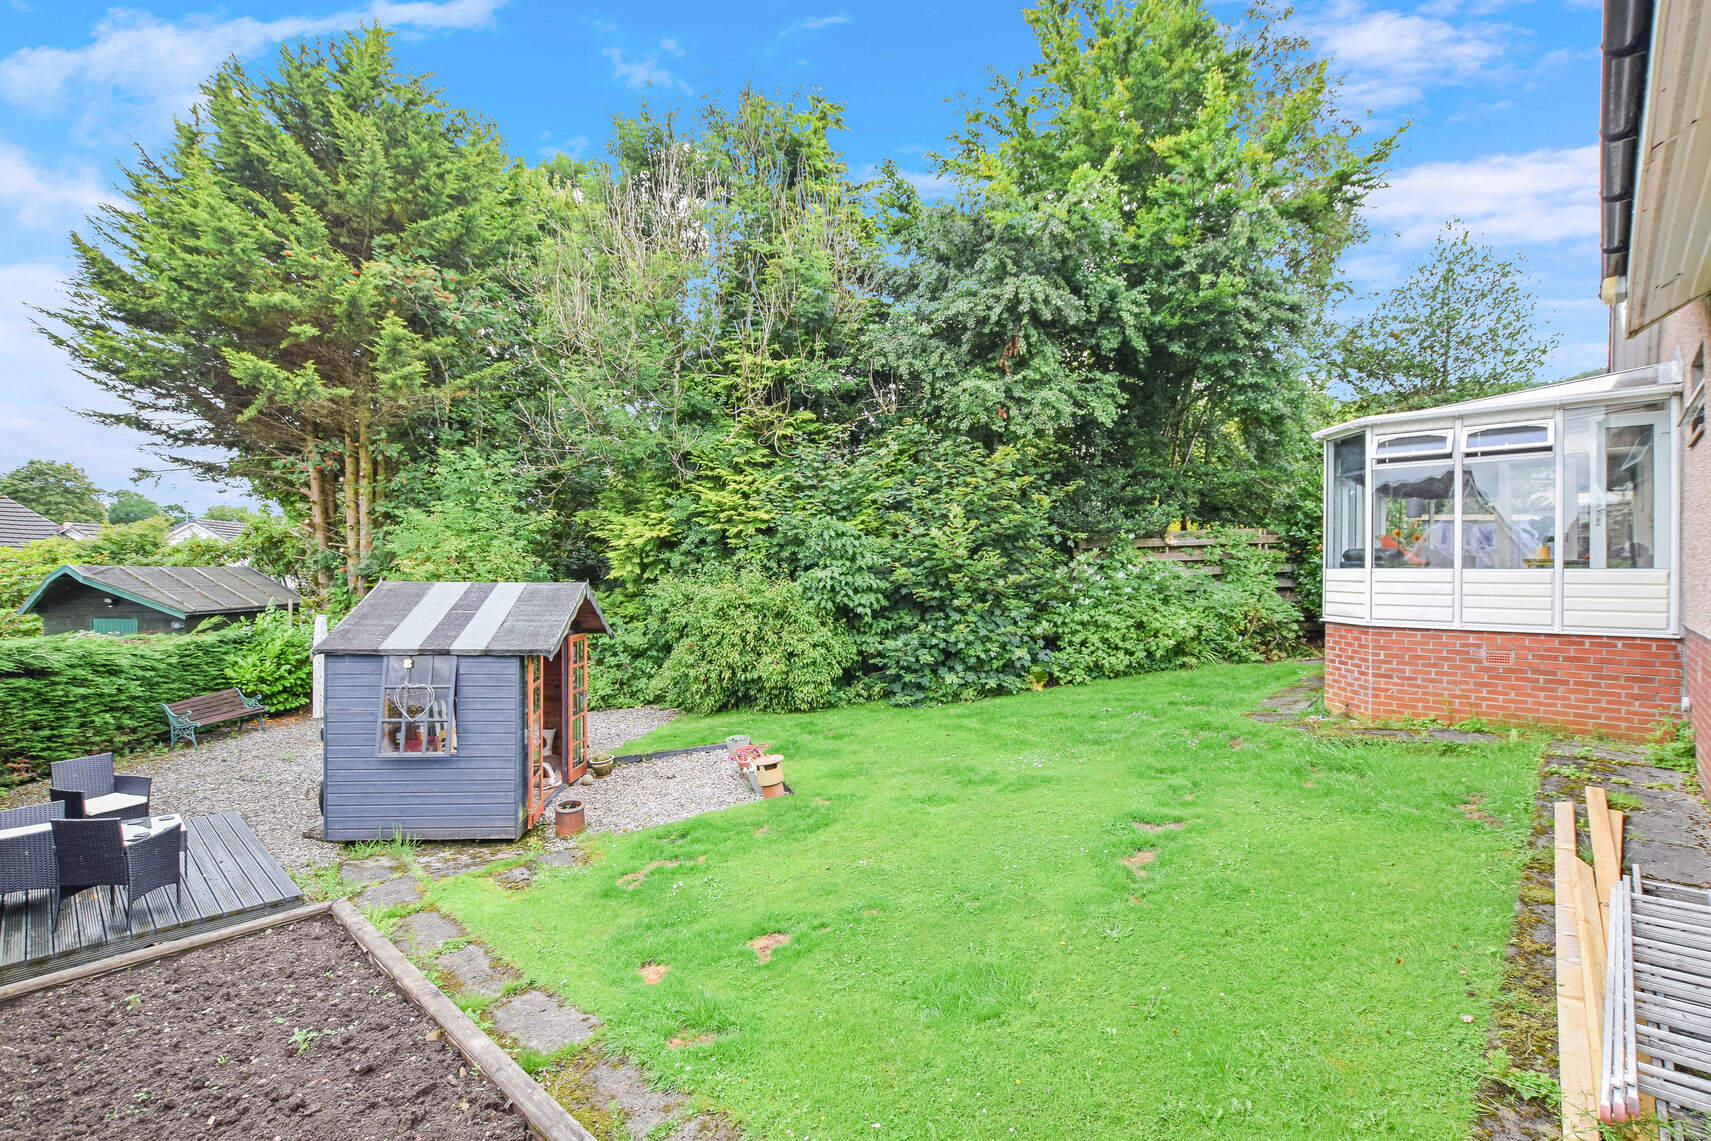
1636, 384
498, 619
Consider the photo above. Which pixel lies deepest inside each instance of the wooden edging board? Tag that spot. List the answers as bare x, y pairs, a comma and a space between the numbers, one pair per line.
544, 1115
160, 950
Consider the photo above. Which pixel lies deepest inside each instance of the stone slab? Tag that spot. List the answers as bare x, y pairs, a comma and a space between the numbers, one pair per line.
425, 932
473, 972
1676, 863
1460, 737
518, 876
391, 893
564, 858
626, 1087
542, 1023
372, 869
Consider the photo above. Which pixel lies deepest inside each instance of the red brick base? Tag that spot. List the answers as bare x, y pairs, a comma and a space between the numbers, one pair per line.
1696, 660
1619, 686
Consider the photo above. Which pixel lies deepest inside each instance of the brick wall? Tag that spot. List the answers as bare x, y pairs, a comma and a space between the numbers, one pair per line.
1619, 686
1696, 660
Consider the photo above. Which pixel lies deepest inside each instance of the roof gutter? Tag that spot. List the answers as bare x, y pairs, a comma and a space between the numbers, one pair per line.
1627, 38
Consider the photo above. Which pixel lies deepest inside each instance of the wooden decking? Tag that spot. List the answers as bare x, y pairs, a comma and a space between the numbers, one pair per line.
228, 878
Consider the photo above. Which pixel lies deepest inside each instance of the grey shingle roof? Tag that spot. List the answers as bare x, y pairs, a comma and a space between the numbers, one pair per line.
20, 525
226, 529
184, 591
502, 619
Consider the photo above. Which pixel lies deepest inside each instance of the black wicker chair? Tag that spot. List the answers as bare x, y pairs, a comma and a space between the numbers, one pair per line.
90, 789
93, 853
26, 847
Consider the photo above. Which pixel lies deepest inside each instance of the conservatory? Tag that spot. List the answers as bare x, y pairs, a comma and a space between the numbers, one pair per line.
1509, 558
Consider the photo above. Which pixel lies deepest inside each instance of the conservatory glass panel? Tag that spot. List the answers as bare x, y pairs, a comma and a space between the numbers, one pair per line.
1343, 544
1630, 496
1413, 515
1580, 496
1509, 511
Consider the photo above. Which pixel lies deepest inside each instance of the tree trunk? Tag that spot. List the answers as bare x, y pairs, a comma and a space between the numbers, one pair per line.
317, 496
365, 483
353, 547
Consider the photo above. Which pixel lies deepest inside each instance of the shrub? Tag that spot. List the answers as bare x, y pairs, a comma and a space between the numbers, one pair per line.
721, 642
275, 665
1119, 612
74, 694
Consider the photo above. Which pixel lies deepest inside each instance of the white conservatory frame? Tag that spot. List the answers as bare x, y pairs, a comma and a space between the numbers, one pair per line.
1544, 596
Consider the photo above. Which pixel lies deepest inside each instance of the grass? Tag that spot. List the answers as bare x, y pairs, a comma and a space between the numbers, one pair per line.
1312, 954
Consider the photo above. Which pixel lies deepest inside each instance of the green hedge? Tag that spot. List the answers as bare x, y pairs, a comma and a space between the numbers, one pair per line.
75, 694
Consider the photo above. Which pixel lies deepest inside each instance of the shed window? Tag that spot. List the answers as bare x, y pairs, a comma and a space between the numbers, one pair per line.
418, 705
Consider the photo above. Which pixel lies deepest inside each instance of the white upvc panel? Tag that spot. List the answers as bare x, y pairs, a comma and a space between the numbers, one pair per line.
1345, 595
1636, 600
1508, 598
1414, 594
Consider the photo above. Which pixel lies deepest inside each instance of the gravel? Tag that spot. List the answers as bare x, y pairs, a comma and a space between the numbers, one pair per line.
641, 794
272, 778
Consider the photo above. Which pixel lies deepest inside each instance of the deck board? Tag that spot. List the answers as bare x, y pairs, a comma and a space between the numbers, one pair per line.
228, 878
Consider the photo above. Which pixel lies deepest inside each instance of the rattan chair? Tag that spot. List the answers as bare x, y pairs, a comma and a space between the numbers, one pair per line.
26, 847
91, 790
93, 853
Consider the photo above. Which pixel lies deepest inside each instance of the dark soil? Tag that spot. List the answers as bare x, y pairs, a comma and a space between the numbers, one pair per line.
201, 1045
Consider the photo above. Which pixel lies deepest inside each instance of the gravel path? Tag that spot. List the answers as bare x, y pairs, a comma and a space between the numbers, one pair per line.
272, 778
641, 794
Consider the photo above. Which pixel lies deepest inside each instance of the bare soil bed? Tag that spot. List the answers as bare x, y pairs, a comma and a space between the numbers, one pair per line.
288, 1033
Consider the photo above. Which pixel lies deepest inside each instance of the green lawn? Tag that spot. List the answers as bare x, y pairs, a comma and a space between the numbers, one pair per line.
969, 958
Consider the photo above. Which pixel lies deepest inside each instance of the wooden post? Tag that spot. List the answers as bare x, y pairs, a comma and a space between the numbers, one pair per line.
318, 676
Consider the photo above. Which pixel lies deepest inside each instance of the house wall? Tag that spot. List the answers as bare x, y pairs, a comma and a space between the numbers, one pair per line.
473, 795
1620, 686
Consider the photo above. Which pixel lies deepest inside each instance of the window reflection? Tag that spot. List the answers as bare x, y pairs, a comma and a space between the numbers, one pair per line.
1413, 515
1508, 512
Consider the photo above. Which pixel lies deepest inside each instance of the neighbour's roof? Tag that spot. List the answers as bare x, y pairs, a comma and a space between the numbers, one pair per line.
20, 525
77, 531
498, 619
1648, 383
224, 530
184, 592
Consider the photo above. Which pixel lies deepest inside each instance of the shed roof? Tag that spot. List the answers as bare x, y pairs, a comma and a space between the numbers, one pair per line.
1650, 382
499, 619
19, 525
183, 592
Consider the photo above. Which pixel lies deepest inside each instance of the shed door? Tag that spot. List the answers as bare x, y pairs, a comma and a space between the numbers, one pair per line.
113, 625
576, 702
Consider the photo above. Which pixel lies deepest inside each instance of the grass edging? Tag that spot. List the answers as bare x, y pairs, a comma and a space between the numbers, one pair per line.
544, 1115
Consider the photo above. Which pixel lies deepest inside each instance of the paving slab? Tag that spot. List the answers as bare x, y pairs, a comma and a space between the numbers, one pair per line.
542, 1023
473, 972
372, 869
1676, 863
564, 858
705, 1128
1460, 737
425, 932
626, 1087
391, 893
518, 876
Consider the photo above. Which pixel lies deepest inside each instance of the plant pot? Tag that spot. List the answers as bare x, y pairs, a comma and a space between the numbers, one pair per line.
567, 818
734, 742
601, 767
773, 791
769, 770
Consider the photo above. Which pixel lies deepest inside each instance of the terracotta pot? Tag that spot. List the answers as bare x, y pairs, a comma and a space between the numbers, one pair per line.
772, 791
567, 818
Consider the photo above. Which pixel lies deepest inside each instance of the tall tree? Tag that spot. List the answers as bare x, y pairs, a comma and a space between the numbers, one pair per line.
1161, 201
129, 506
314, 261
1463, 324
61, 491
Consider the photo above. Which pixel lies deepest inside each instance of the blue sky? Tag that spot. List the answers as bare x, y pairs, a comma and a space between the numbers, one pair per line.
1501, 98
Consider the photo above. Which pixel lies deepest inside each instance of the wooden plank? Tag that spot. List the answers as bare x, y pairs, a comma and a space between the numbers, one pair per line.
1606, 866
1576, 1075
159, 951
1592, 954
546, 1116
265, 875
1617, 819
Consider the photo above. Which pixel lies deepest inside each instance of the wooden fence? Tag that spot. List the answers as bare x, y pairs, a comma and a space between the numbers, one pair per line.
1195, 546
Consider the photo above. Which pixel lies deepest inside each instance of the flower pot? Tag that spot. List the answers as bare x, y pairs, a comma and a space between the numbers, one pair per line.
735, 741
601, 765
769, 770
567, 818
773, 791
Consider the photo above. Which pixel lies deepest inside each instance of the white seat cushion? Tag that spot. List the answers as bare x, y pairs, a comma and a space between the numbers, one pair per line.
112, 802
24, 830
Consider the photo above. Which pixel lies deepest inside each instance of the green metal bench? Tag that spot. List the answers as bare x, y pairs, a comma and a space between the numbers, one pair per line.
193, 713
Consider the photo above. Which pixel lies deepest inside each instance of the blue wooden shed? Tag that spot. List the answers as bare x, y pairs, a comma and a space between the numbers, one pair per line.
455, 710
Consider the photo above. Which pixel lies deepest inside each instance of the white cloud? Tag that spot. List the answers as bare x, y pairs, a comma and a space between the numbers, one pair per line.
45, 200
926, 183
811, 24
1389, 59
136, 58
1541, 196
644, 72
670, 44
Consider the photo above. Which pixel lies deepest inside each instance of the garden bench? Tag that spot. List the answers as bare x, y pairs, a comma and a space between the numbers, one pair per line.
193, 713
